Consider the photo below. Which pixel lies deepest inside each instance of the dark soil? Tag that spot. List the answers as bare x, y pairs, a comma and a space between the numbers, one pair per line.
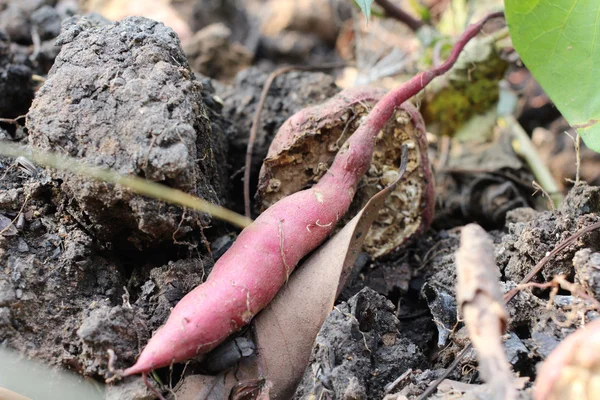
16, 85
360, 349
87, 267
32, 26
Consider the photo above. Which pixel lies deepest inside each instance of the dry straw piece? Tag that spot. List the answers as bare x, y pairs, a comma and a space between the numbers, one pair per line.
481, 303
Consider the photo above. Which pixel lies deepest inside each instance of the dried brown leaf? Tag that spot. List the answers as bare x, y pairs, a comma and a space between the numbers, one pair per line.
287, 328
480, 300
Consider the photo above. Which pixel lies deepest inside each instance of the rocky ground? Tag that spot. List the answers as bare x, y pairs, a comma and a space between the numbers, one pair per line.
86, 267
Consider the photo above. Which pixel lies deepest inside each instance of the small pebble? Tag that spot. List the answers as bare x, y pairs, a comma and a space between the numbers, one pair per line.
22, 246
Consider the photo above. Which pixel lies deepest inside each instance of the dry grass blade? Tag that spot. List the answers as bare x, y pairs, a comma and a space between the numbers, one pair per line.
22, 379
135, 184
287, 328
480, 300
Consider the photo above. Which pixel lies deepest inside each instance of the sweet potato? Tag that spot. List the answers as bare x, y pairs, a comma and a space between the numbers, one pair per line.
572, 370
307, 143
251, 272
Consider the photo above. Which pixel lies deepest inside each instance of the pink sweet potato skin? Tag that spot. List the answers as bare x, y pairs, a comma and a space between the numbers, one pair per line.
580, 350
303, 146
247, 277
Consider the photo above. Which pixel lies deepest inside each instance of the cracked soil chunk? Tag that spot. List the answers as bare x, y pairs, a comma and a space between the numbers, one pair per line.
122, 96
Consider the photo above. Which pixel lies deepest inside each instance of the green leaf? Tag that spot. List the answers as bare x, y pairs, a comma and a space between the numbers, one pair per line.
365, 7
559, 41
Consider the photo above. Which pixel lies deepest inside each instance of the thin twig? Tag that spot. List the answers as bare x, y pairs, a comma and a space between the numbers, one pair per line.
253, 134
390, 386
540, 265
13, 121
152, 388
133, 183
480, 302
256, 121
577, 143
17, 217
563, 283
429, 391
539, 188
396, 12
527, 150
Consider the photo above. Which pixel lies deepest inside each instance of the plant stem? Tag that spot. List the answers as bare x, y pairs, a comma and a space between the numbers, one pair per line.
353, 158
526, 149
397, 13
133, 183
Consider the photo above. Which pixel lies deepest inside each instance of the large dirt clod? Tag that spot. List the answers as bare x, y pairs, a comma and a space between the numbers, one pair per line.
122, 96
